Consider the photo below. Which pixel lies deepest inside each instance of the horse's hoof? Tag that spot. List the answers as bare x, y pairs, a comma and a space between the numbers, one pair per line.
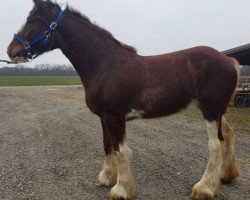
119, 192
202, 191
105, 180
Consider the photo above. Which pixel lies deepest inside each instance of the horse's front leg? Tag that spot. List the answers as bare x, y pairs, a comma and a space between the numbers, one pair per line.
125, 185
108, 175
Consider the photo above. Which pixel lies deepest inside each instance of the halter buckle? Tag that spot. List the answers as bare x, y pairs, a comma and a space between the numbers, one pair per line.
53, 25
26, 45
47, 34
29, 56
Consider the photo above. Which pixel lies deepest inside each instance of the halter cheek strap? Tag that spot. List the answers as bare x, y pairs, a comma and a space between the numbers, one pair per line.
43, 37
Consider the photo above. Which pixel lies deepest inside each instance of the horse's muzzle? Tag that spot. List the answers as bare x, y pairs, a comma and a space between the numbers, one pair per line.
16, 53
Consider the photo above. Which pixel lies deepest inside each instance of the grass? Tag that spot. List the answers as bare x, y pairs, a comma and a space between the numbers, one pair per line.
39, 80
238, 116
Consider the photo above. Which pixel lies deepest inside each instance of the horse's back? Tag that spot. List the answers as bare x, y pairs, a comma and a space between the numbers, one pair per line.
198, 55
196, 64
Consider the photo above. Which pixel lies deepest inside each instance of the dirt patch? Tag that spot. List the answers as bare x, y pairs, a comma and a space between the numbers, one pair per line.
51, 148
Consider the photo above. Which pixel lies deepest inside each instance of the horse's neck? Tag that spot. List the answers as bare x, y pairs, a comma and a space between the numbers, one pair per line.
86, 50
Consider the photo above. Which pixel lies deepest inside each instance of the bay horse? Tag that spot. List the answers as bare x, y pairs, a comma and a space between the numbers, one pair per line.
121, 85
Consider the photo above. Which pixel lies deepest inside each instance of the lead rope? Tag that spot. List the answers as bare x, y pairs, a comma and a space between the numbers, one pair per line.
14, 62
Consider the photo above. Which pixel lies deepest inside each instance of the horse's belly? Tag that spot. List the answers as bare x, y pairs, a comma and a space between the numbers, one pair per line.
156, 102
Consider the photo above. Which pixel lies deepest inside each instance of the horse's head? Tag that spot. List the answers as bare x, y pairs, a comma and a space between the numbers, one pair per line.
37, 23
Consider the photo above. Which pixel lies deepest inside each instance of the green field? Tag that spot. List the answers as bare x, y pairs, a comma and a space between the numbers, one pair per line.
236, 116
38, 80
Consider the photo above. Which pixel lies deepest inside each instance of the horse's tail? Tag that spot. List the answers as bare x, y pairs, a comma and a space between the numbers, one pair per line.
232, 99
237, 67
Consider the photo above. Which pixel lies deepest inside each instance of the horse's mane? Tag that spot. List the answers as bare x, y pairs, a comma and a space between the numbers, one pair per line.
82, 17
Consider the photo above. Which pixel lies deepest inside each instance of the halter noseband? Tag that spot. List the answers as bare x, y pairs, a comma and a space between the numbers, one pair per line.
45, 37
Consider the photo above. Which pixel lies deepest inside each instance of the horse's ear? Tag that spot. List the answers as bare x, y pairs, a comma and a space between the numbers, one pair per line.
38, 3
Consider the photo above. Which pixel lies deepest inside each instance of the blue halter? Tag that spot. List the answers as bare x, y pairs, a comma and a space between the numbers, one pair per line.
43, 37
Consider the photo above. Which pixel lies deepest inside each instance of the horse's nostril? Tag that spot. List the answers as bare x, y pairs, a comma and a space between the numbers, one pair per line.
9, 52
14, 53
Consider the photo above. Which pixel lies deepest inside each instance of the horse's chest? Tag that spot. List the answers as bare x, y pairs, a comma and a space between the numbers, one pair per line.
93, 102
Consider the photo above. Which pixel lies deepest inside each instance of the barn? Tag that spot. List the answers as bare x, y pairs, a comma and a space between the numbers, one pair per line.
241, 53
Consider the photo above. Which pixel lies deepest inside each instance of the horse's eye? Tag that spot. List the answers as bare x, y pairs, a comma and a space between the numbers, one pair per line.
31, 20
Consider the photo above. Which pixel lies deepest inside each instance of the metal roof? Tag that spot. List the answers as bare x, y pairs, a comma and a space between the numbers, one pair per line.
241, 53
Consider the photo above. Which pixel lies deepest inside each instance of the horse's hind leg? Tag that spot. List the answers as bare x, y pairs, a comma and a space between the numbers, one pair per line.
228, 168
125, 185
209, 185
108, 175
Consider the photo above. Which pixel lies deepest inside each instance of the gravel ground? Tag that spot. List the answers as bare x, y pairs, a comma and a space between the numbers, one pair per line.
51, 149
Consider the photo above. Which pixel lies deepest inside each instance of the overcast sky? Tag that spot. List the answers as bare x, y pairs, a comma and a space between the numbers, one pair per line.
152, 26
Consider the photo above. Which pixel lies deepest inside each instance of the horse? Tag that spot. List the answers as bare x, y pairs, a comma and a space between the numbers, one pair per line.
121, 85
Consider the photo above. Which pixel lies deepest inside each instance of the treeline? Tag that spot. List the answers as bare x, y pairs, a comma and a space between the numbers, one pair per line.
59, 70
38, 70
